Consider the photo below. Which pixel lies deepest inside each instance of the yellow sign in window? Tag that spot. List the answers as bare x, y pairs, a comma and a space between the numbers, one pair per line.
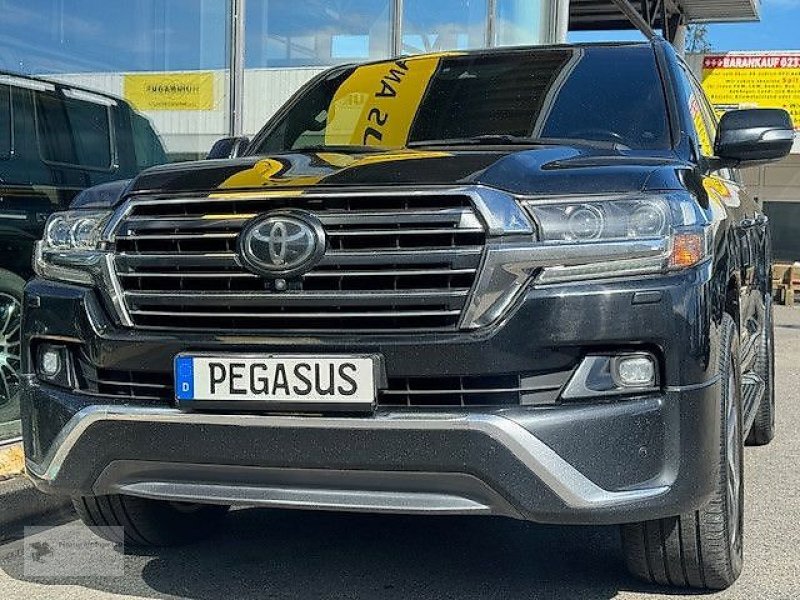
170, 91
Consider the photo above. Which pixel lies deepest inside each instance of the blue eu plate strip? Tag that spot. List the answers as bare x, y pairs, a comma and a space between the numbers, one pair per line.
184, 378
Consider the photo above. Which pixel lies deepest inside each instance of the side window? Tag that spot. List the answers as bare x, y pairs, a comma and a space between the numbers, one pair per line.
73, 132
695, 101
700, 127
146, 143
5, 122
710, 120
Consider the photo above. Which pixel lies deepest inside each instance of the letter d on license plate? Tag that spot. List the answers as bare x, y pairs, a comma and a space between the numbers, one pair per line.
277, 381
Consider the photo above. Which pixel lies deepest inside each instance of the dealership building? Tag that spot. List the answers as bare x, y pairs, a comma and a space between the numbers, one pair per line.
203, 69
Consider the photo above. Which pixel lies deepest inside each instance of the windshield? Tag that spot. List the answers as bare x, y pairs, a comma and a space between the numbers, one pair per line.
597, 93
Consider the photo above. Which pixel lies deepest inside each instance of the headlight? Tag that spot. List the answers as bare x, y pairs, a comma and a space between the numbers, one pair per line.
607, 226
610, 220
72, 247
590, 238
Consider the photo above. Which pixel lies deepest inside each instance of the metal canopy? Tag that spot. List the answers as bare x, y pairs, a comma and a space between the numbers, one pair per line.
592, 15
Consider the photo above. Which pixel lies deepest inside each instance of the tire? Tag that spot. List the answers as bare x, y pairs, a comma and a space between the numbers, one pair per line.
701, 549
762, 431
148, 523
11, 286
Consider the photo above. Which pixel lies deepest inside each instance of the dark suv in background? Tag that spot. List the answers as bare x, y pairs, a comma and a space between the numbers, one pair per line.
523, 282
55, 140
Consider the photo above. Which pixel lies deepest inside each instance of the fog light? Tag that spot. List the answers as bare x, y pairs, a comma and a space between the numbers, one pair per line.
49, 362
635, 371
53, 365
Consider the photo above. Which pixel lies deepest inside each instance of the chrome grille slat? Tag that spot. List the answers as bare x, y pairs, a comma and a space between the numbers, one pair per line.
127, 396
180, 236
453, 297
509, 390
401, 257
332, 257
378, 232
129, 262
304, 315
331, 233
332, 273
394, 261
461, 215
155, 386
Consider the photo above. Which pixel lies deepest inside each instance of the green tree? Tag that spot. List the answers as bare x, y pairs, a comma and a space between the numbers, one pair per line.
697, 40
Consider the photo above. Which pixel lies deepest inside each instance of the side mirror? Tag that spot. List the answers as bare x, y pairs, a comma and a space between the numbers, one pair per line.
755, 135
230, 147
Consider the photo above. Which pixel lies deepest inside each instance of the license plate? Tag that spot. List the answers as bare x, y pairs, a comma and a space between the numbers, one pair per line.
277, 381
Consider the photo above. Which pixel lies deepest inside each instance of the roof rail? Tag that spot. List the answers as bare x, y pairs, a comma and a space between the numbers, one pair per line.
43, 82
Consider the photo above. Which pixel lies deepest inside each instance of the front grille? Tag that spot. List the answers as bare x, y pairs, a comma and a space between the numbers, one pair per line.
393, 261
532, 389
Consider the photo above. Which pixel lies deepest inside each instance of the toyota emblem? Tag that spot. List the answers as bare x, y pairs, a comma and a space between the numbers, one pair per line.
282, 243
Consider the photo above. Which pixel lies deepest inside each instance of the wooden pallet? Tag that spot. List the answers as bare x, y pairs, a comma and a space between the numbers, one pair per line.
785, 282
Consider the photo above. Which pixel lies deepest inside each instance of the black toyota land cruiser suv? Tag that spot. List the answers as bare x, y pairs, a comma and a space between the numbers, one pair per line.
522, 282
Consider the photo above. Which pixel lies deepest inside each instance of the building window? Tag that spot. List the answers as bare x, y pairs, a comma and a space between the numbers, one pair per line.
305, 33
522, 22
443, 25
101, 36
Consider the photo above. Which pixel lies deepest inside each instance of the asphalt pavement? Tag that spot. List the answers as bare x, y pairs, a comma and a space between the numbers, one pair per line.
271, 554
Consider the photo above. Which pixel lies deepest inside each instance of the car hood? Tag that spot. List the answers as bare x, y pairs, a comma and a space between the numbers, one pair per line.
540, 170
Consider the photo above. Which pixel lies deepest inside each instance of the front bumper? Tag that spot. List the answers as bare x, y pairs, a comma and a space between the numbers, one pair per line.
457, 462
624, 460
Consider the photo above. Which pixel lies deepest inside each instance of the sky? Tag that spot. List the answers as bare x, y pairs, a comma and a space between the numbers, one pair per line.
779, 29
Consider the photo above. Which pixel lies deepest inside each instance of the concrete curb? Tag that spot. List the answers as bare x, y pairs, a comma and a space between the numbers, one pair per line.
12, 460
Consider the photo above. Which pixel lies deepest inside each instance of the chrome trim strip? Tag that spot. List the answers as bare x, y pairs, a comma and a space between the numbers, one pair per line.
508, 268
114, 290
313, 274
157, 386
406, 492
374, 501
298, 315
593, 363
466, 392
365, 299
693, 387
11, 441
574, 489
331, 216
23, 82
13, 216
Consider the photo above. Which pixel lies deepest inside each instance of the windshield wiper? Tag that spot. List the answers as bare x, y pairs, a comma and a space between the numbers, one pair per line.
483, 140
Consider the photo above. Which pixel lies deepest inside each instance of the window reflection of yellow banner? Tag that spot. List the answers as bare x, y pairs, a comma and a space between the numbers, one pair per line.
377, 103
170, 91
763, 80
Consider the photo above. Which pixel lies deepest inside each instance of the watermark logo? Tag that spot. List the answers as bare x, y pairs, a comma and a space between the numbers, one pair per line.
73, 551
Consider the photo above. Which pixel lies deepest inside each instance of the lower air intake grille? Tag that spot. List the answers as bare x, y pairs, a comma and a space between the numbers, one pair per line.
540, 389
